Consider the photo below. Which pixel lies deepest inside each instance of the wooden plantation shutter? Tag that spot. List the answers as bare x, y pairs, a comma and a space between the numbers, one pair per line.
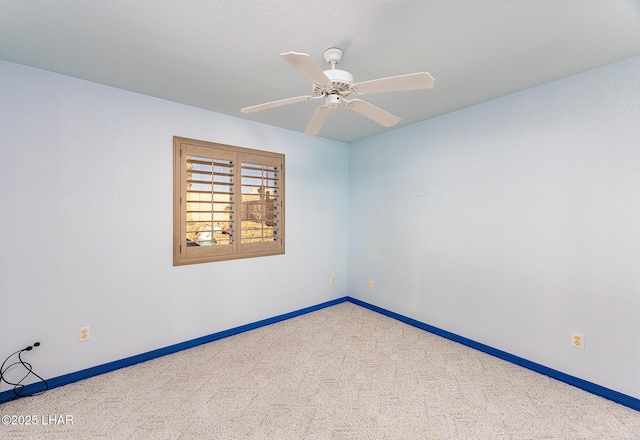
228, 202
260, 199
207, 202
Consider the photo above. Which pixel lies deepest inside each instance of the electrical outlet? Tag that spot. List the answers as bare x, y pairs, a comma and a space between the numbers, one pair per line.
84, 333
333, 280
370, 284
577, 340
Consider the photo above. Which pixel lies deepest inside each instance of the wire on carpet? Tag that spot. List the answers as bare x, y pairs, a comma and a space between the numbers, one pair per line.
19, 386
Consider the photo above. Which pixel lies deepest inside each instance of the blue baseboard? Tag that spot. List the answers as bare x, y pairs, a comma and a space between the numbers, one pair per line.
127, 362
593, 388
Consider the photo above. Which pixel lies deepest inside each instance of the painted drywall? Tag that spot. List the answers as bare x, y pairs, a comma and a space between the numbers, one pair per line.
513, 223
86, 224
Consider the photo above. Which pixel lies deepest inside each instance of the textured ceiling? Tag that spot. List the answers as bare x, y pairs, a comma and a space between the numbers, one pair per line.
224, 56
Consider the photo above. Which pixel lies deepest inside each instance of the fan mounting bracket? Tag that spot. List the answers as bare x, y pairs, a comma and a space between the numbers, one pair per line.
333, 55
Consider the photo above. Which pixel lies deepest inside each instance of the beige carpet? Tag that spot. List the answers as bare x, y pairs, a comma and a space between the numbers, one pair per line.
343, 372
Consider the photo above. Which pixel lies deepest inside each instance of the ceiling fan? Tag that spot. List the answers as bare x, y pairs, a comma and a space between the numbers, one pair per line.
334, 85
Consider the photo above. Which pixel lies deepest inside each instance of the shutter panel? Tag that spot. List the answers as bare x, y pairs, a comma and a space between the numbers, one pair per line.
209, 205
260, 203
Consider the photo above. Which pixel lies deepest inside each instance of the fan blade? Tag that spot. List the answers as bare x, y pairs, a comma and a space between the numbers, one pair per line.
317, 121
307, 67
412, 81
372, 112
273, 104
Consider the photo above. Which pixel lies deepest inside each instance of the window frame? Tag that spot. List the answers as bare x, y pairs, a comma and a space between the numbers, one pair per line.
236, 249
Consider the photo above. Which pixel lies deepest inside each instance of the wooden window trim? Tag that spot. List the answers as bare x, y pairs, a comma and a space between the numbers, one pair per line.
235, 249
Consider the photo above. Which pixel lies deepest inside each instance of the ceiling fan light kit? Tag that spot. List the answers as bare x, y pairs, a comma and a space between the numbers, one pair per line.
334, 85
332, 101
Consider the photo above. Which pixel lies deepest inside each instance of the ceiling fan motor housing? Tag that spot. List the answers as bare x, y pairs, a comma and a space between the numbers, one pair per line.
341, 82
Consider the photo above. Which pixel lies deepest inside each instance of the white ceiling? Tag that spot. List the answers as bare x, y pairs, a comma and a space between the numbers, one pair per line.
224, 55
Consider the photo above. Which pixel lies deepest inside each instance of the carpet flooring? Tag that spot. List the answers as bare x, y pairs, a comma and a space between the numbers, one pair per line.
343, 372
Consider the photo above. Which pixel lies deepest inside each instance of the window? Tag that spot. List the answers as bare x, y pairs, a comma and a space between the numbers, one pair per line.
228, 202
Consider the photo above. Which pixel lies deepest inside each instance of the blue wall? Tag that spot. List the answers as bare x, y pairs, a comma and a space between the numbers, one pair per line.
86, 187
513, 223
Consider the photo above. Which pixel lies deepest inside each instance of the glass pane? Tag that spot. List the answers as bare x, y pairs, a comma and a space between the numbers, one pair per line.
192, 206
255, 232
200, 217
218, 188
197, 197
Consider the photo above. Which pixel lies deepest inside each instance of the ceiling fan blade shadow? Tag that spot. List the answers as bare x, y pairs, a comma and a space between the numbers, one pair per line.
305, 65
372, 112
317, 121
411, 81
272, 104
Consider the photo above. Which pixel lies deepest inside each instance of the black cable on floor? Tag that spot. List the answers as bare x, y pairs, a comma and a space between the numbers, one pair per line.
18, 386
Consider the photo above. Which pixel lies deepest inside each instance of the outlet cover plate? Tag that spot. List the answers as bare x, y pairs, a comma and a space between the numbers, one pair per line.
577, 340
84, 333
